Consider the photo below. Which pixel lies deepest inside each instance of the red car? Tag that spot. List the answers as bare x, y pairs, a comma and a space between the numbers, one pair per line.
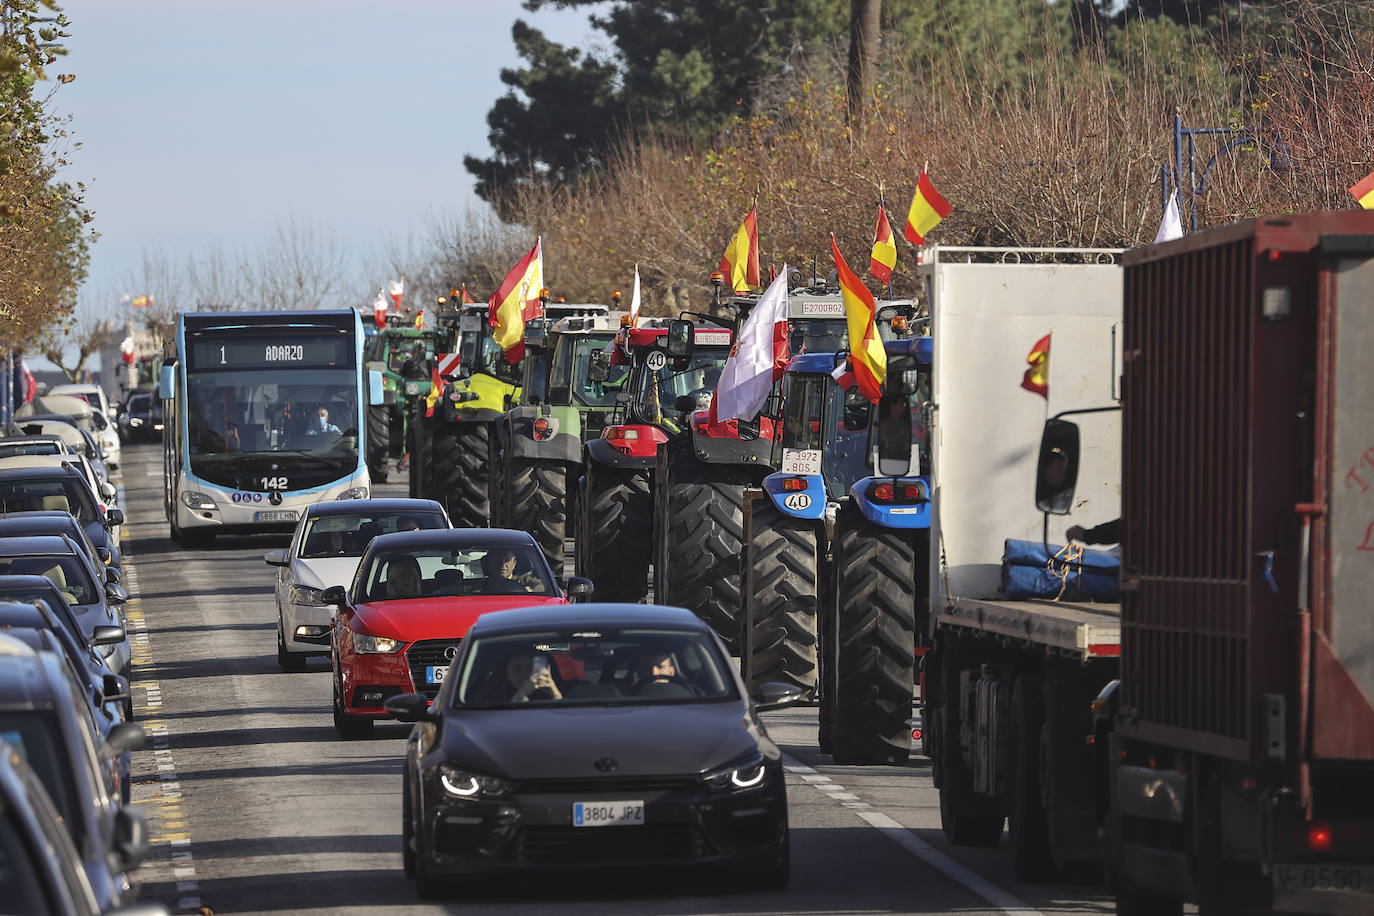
411, 602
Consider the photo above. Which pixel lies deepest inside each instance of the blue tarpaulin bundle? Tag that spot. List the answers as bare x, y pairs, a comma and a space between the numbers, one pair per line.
1029, 572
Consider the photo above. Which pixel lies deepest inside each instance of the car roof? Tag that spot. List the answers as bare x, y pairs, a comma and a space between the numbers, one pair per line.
37, 545
34, 461
40, 471
452, 537
26, 581
23, 682
591, 615
29, 438
49, 521
355, 506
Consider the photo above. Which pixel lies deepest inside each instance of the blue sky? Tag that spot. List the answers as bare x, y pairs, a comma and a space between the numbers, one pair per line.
214, 121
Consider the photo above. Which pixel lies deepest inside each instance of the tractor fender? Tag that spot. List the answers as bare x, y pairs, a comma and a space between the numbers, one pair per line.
807, 503
729, 450
908, 516
602, 452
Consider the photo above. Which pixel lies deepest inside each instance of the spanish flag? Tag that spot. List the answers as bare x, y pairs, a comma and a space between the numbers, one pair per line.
1037, 377
1363, 192
436, 391
927, 209
866, 353
515, 302
741, 260
884, 257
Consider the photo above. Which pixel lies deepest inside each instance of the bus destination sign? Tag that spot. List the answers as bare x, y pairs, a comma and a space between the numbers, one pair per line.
260, 353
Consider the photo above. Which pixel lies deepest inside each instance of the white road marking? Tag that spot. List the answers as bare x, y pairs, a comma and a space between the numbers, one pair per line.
894, 831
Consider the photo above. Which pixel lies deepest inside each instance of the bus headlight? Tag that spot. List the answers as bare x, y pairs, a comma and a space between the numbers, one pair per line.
193, 500
354, 493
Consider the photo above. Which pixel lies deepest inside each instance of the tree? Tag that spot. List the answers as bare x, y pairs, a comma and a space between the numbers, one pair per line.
865, 17
87, 334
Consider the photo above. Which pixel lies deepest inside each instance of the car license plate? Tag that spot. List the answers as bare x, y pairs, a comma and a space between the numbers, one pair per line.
1307, 877
434, 674
284, 515
608, 814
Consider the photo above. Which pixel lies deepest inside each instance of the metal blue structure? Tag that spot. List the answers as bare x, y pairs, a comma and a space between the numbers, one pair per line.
1197, 183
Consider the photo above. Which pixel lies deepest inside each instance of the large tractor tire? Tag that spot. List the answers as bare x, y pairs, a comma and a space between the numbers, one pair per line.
536, 500
461, 472
781, 563
871, 659
615, 532
379, 442
699, 537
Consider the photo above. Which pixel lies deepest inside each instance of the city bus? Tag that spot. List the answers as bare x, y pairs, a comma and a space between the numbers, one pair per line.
264, 415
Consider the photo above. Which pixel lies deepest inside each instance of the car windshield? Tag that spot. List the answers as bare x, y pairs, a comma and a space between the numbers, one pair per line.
67, 493
9, 450
655, 391
68, 573
35, 737
437, 572
349, 535
592, 665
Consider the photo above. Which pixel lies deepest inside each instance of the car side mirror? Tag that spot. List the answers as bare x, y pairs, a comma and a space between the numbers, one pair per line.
335, 595
114, 518
112, 576
410, 707
130, 838
777, 695
114, 689
579, 587
104, 554
1056, 474
126, 736
108, 636
115, 594
275, 557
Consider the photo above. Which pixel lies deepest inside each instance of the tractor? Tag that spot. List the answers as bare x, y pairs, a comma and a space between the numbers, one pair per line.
387, 424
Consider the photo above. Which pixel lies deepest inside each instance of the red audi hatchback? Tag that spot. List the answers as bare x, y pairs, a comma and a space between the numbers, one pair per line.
412, 600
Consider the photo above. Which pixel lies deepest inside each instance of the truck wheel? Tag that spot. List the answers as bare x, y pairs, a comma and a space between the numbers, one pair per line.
780, 576
460, 473
699, 538
614, 532
536, 501
499, 482
875, 663
1026, 822
378, 441
967, 818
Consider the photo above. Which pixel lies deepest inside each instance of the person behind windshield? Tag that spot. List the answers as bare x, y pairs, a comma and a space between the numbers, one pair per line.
322, 426
520, 681
414, 366
499, 567
655, 667
403, 578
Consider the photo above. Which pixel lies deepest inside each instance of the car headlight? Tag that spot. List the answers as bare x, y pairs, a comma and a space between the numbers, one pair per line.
738, 777
135, 422
193, 500
376, 645
464, 784
355, 493
307, 596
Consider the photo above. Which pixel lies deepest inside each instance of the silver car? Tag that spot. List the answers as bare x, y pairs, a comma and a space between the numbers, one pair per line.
325, 549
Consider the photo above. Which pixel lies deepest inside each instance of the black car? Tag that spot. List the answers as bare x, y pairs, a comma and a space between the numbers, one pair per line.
592, 735
62, 489
141, 420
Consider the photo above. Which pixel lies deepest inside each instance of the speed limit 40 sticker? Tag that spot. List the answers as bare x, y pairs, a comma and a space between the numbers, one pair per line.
656, 360
796, 501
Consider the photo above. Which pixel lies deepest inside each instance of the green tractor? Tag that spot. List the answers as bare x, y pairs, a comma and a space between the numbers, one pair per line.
539, 442
387, 351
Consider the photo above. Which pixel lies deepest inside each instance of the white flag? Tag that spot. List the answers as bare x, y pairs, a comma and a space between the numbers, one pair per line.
397, 290
753, 364
634, 301
379, 308
1171, 227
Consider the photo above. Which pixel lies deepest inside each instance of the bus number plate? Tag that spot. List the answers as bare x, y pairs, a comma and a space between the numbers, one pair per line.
282, 515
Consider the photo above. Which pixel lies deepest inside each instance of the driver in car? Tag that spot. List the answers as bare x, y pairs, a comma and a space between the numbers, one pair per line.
499, 567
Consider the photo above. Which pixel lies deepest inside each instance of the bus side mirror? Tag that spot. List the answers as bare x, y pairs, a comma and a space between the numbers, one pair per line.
679, 342
894, 436
166, 382
1056, 475
376, 395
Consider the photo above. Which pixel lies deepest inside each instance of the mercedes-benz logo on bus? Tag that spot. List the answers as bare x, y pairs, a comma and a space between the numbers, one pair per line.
451, 652
274, 497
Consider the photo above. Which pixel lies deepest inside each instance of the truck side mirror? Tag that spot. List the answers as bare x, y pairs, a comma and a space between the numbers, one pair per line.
894, 436
376, 393
679, 340
599, 369
1056, 475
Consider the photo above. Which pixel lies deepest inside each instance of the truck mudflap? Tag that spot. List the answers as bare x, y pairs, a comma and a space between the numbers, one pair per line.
797, 496
603, 452
900, 503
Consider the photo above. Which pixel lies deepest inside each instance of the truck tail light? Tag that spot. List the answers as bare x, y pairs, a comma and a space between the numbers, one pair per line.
541, 429
794, 483
884, 493
1319, 838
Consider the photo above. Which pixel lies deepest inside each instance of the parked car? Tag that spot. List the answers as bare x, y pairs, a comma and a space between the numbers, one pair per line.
592, 735
11, 446
66, 490
55, 521
410, 604
78, 440
142, 418
325, 548
41, 716
82, 412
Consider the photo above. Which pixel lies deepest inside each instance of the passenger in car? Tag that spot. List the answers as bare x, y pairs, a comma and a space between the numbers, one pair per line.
519, 680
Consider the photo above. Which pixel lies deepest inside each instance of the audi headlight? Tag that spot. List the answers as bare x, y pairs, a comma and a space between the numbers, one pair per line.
355, 493
465, 784
376, 645
307, 596
194, 500
738, 777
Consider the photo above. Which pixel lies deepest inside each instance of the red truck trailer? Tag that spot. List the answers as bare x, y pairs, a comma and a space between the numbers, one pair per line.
1238, 746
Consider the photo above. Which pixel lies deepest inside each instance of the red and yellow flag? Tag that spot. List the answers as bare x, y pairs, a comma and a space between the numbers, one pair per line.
1037, 377
927, 209
436, 391
866, 353
1363, 191
884, 257
741, 261
515, 302
465, 297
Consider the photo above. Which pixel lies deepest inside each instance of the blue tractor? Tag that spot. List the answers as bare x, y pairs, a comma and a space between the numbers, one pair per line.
837, 548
